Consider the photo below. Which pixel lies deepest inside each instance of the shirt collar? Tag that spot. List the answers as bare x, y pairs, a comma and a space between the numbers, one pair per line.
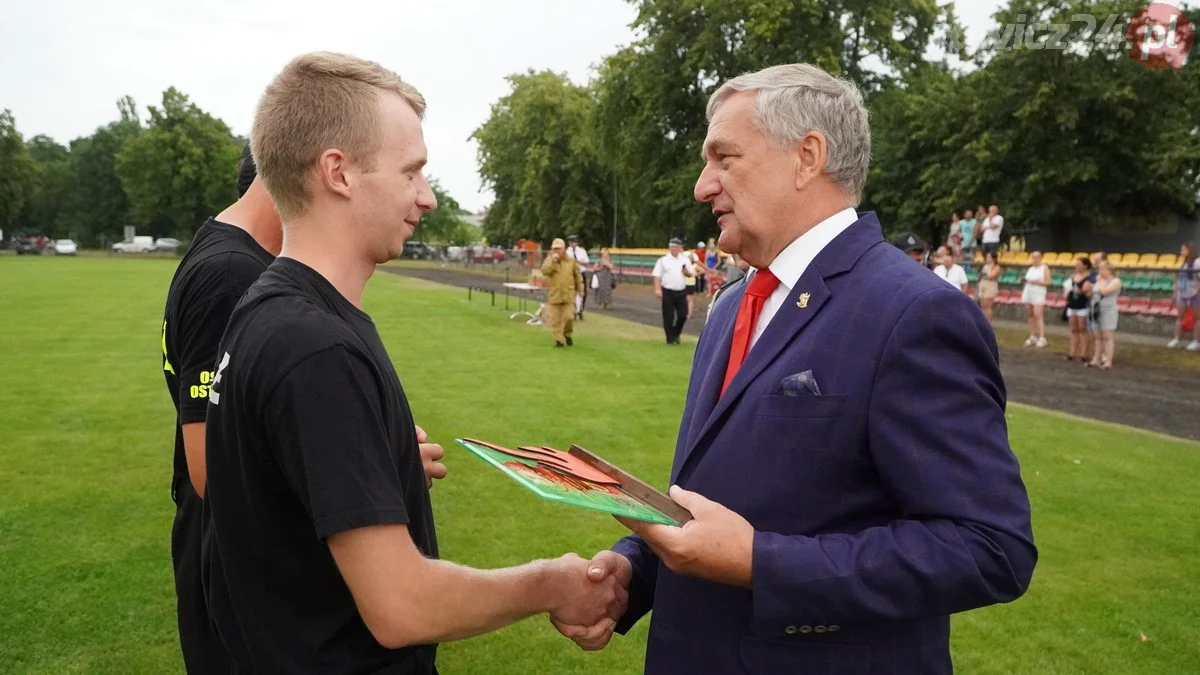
793, 261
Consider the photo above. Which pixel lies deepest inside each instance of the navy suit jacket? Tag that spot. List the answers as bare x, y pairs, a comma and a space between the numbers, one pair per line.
880, 507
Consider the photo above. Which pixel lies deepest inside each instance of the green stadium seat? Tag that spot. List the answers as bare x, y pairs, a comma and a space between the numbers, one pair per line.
1166, 284
972, 275
1140, 282
1010, 278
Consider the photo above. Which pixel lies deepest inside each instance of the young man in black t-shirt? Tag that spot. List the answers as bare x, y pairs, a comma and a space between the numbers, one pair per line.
226, 256
323, 555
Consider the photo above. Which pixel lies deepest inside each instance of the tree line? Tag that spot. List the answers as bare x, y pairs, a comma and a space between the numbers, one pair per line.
1061, 129
164, 175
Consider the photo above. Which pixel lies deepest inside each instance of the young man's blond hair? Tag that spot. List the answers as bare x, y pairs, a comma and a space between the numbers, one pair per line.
319, 101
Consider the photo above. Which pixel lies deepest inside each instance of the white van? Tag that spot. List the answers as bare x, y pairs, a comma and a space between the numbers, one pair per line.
139, 244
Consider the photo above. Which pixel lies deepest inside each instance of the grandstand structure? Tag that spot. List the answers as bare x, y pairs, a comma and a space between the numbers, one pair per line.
1148, 281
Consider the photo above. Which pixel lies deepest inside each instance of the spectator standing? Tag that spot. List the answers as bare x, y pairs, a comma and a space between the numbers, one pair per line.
951, 272
1079, 306
1037, 280
670, 285
992, 229
604, 279
969, 236
579, 253
1105, 314
954, 238
1187, 296
989, 284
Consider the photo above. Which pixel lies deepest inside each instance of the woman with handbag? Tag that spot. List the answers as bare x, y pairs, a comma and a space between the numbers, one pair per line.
1187, 297
1105, 314
1078, 306
604, 279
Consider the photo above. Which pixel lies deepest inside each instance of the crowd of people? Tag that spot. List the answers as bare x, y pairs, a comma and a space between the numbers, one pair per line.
1091, 291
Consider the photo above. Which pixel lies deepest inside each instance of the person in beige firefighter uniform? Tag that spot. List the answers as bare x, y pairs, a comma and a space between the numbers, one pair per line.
563, 283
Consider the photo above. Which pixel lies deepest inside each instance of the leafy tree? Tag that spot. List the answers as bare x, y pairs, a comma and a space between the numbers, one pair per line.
444, 224
1059, 137
180, 170
52, 165
538, 159
652, 95
19, 177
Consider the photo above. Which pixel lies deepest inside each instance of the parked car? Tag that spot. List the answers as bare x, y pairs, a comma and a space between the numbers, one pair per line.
419, 250
487, 254
65, 247
167, 244
139, 244
30, 245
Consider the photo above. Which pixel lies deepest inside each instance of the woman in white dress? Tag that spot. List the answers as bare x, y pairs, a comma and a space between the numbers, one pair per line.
1037, 279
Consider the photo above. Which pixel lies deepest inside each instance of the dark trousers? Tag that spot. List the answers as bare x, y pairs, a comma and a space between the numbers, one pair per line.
203, 651
674, 308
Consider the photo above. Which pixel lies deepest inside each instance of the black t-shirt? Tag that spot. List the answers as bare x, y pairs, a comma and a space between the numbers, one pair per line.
309, 434
220, 265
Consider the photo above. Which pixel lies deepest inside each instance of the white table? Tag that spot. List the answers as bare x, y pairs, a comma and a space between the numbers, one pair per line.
528, 290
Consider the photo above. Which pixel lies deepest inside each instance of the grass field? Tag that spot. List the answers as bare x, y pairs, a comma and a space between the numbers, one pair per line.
85, 512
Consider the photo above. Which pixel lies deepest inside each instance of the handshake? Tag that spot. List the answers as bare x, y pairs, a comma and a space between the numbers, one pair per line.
589, 597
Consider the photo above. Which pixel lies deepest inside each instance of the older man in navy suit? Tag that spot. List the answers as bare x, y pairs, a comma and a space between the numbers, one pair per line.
843, 447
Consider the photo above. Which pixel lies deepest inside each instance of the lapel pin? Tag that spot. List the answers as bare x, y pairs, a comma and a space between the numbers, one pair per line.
802, 303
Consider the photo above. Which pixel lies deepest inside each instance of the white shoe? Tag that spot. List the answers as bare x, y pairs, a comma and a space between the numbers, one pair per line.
1029, 341
1041, 342
1194, 346
1173, 343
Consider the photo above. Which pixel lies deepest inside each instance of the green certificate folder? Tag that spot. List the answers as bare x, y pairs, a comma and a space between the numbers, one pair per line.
580, 479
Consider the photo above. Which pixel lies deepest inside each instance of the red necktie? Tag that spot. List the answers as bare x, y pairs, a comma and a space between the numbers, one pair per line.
761, 287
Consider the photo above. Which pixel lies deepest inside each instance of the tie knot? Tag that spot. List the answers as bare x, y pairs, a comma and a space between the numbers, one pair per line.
763, 284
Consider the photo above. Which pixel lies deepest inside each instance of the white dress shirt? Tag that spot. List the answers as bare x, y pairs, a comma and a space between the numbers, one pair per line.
580, 255
669, 269
956, 276
793, 261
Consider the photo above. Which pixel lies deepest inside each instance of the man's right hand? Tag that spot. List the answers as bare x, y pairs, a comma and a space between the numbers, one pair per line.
606, 565
658, 293
579, 599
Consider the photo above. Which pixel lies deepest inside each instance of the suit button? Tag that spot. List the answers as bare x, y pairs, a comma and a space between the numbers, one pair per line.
818, 629
806, 629
790, 630
834, 628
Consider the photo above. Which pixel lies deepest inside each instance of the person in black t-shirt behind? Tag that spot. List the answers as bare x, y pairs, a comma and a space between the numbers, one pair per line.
323, 555
226, 255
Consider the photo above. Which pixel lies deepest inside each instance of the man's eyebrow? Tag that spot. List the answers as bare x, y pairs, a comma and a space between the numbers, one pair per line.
416, 164
718, 146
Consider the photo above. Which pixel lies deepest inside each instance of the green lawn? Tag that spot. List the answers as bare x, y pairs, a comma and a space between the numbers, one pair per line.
85, 514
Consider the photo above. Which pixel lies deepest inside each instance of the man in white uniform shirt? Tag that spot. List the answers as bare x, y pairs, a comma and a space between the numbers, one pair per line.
670, 285
581, 257
951, 272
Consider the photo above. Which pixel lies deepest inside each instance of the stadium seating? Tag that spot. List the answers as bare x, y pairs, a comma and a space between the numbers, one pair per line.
1163, 307
1139, 306
1123, 303
1140, 282
1165, 284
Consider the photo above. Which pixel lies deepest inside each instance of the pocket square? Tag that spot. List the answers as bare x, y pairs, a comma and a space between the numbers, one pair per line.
799, 384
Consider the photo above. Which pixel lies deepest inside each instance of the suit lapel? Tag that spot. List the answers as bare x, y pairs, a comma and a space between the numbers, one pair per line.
796, 313
787, 323
721, 323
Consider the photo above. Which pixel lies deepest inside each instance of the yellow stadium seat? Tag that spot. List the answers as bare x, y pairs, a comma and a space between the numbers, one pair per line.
1114, 258
1148, 260
1168, 261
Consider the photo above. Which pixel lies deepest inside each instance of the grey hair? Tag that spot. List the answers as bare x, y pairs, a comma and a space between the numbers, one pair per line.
799, 98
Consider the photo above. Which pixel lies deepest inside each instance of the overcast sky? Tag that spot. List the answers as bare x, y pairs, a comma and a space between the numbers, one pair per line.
64, 63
